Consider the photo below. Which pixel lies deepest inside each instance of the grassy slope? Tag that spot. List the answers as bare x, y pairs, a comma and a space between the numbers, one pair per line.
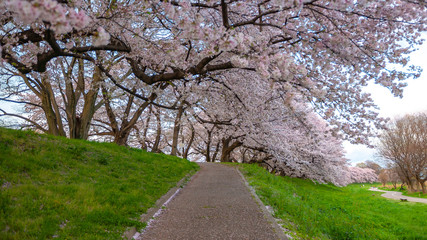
329, 212
71, 189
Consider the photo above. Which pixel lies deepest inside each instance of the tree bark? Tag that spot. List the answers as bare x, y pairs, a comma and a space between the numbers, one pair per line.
156, 144
216, 152
144, 135
85, 118
43, 90
51, 118
208, 147
176, 129
190, 142
227, 148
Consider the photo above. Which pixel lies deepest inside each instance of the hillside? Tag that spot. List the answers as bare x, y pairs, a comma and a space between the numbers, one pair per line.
60, 188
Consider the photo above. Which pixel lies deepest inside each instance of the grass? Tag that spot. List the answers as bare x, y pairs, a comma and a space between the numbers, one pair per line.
313, 211
389, 187
53, 187
415, 194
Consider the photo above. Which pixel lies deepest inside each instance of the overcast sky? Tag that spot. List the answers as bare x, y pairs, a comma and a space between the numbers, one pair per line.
414, 100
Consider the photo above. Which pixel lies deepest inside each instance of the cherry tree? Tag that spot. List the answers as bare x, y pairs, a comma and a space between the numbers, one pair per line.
302, 64
252, 115
61, 101
362, 175
123, 110
207, 141
370, 164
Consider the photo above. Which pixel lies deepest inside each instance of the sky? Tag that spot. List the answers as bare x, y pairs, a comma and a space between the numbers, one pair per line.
414, 100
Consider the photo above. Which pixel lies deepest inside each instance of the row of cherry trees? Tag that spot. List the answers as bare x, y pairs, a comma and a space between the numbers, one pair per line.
278, 82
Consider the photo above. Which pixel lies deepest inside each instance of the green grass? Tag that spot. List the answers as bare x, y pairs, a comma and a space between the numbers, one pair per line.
415, 194
389, 187
59, 188
313, 211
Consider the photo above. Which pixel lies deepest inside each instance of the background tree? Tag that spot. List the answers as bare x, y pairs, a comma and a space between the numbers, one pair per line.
361, 165
362, 175
384, 177
370, 164
394, 177
404, 145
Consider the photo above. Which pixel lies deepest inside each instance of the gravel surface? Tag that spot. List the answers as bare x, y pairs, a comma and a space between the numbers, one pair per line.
398, 196
215, 204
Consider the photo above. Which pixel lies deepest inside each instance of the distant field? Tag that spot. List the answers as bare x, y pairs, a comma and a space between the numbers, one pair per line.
59, 188
313, 211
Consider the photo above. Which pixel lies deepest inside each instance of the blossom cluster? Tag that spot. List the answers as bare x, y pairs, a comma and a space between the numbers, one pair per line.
60, 18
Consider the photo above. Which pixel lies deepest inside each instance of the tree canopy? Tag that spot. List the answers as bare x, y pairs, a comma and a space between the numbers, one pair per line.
281, 78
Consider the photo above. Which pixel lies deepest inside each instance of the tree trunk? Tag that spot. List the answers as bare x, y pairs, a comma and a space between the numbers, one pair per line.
123, 133
420, 183
410, 185
405, 177
54, 105
186, 151
208, 147
176, 128
423, 186
227, 148
156, 144
43, 90
216, 152
144, 135
52, 121
89, 106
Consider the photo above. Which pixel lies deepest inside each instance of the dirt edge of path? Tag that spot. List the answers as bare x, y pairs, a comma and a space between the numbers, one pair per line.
276, 227
132, 233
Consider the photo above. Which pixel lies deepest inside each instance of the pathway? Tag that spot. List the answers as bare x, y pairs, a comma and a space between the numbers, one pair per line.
215, 204
398, 196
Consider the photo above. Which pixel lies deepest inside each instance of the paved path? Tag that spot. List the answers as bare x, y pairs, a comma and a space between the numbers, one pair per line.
215, 204
398, 196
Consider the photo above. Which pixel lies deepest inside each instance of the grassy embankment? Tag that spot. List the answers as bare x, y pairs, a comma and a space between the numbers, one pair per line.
389, 187
314, 211
59, 188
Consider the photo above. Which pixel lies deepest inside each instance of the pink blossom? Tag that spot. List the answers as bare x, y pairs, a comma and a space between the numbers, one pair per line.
62, 19
101, 38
